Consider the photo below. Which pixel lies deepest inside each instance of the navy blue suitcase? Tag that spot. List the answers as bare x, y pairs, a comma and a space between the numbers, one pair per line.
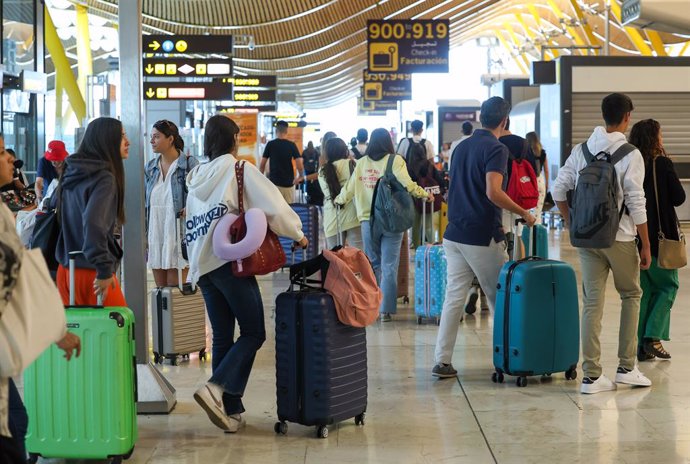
321, 364
309, 215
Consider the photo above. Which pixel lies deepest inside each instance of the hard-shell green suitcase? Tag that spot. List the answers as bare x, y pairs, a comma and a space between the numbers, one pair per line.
85, 408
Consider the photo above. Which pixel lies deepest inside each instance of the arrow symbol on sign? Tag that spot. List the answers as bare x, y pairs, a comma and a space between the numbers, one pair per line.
155, 45
149, 69
150, 93
185, 69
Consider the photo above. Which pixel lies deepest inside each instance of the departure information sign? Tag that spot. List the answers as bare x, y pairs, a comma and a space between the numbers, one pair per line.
368, 105
216, 90
187, 67
245, 109
187, 43
268, 82
254, 95
387, 86
408, 46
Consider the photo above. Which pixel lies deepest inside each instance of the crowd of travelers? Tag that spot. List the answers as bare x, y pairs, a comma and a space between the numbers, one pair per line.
470, 175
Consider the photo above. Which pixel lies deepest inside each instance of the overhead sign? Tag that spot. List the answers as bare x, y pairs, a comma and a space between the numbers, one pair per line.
216, 90
187, 68
187, 43
245, 109
268, 82
254, 96
374, 108
387, 86
408, 46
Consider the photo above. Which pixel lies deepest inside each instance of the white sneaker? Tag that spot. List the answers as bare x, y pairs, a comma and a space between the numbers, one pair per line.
210, 398
601, 384
632, 377
236, 422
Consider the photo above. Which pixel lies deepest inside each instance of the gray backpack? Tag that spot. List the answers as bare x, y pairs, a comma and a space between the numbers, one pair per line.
392, 208
594, 214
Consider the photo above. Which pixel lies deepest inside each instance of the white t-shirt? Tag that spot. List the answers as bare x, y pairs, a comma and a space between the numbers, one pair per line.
405, 144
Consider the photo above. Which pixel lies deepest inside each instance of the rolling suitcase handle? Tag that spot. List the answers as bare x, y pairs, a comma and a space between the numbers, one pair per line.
337, 225
531, 240
72, 298
185, 288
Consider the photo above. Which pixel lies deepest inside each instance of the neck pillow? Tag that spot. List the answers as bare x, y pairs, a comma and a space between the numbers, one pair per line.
256, 226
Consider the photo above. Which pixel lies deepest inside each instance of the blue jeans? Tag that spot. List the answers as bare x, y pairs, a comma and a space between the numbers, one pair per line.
230, 298
18, 420
383, 249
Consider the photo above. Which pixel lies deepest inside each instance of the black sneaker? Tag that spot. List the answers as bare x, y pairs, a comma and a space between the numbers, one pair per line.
643, 355
444, 371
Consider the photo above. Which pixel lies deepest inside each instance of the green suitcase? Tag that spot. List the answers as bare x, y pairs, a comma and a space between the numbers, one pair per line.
85, 408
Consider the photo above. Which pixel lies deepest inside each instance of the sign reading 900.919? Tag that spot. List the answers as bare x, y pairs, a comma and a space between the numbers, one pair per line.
408, 46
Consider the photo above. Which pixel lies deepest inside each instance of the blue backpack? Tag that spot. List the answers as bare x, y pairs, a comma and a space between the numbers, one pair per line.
392, 208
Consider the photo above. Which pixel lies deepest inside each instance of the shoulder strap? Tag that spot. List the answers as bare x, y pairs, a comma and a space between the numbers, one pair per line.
623, 151
525, 150
239, 173
656, 196
352, 166
389, 165
589, 157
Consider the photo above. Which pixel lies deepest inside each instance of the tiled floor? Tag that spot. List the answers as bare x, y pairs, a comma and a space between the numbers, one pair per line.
413, 418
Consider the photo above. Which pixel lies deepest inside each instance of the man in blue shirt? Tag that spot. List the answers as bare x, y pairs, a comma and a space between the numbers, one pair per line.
474, 241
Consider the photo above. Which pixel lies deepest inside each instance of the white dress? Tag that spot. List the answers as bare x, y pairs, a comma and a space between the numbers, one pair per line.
164, 242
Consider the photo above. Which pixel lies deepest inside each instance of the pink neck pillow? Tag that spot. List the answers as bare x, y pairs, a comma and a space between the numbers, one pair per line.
257, 225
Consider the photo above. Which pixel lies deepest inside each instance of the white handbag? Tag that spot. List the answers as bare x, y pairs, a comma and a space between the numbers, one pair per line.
34, 317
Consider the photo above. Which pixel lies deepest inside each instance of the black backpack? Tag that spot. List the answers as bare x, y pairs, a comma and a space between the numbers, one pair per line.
412, 143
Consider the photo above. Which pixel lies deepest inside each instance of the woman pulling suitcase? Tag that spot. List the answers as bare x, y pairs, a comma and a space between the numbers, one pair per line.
213, 191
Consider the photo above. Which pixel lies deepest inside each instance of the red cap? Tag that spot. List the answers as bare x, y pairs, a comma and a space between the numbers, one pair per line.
56, 151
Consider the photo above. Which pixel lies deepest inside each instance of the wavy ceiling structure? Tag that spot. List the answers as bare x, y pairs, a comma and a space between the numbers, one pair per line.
317, 48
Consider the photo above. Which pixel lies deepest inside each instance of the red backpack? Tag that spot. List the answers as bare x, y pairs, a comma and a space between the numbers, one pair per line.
522, 184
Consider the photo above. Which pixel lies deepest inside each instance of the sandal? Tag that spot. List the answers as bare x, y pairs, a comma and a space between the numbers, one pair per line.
655, 348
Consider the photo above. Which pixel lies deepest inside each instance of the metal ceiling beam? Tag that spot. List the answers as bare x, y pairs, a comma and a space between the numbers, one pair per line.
571, 30
633, 34
657, 43
516, 41
591, 38
510, 50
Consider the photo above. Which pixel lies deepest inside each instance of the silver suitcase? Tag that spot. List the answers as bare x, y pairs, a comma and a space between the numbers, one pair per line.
178, 322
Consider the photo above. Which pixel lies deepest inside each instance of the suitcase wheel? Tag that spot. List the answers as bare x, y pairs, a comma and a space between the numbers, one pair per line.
497, 377
202, 355
571, 374
359, 419
521, 382
175, 361
116, 460
33, 458
406, 300
419, 320
322, 432
281, 428
157, 358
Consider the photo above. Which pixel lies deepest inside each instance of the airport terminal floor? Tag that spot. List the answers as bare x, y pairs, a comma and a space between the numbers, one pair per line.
415, 418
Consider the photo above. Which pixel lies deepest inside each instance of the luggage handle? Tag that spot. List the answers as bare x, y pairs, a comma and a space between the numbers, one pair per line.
433, 232
339, 241
184, 287
72, 267
531, 234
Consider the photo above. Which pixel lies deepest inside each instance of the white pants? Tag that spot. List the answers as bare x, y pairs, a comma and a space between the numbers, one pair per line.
464, 262
541, 185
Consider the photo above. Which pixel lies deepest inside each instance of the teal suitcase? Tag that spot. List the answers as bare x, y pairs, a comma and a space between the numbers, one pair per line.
85, 408
536, 320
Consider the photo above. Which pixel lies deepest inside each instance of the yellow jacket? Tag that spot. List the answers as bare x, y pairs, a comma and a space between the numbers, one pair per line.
362, 182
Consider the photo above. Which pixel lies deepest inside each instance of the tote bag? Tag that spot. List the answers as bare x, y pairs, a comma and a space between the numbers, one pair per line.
34, 317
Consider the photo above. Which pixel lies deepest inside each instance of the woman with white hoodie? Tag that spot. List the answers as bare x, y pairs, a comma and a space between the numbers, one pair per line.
213, 192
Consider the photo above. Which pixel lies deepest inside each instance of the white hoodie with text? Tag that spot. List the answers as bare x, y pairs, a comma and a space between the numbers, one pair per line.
213, 192
630, 171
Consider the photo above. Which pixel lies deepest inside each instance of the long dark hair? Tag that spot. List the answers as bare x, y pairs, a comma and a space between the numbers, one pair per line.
645, 136
534, 143
335, 150
102, 141
418, 164
380, 144
169, 129
219, 136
